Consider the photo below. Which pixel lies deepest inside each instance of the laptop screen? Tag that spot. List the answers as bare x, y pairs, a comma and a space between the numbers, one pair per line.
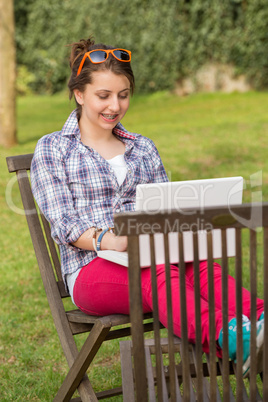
192, 194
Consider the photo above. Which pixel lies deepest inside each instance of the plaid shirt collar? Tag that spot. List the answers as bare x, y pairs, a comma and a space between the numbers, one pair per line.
71, 127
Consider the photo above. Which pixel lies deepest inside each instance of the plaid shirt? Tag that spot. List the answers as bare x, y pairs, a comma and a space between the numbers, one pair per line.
76, 188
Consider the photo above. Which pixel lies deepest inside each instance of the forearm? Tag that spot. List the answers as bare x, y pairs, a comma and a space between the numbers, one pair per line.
108, 242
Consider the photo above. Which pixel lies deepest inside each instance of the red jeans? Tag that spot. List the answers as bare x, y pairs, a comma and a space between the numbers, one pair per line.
101, 288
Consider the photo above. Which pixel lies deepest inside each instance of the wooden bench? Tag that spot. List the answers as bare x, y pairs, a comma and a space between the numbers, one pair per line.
169, 368
68, 323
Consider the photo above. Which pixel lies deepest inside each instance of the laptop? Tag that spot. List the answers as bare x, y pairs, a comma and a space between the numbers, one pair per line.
181, 195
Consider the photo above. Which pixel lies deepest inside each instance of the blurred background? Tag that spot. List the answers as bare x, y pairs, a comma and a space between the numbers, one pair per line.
171, 40
184, 46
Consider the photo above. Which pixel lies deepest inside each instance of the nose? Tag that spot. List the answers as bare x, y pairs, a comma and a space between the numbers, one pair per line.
114, 104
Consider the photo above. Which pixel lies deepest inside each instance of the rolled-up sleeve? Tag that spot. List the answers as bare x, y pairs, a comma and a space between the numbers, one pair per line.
52, 194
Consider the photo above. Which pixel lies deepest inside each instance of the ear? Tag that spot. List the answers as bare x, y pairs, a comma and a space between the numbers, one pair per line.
79, 96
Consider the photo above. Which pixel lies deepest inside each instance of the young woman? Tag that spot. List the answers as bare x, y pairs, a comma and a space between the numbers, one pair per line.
89, 170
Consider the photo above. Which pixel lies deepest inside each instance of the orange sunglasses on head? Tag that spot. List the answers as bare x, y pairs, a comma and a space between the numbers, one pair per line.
100, 55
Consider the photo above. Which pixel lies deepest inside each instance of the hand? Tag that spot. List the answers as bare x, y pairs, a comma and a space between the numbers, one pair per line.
120, 243
112, 242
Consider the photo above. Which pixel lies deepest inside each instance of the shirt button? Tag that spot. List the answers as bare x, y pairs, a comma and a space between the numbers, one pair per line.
118, 210
129, 171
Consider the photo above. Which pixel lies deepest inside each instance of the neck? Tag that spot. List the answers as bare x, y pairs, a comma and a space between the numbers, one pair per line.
91, 133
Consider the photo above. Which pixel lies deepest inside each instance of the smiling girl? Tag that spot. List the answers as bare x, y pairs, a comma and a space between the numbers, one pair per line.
85, 173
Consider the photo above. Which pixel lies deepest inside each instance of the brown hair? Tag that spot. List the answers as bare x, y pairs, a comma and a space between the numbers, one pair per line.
78, 49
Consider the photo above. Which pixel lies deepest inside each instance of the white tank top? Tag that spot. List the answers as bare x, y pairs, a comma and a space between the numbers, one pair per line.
119, 166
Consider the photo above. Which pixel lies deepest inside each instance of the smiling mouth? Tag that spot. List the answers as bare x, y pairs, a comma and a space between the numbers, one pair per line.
110, 117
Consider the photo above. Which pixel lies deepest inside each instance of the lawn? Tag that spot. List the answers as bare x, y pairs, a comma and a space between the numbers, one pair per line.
200, 136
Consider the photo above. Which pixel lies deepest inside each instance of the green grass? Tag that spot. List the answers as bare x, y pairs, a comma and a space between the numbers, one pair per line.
212, 135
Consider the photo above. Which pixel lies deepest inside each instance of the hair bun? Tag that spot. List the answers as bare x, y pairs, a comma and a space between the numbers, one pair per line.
79, 48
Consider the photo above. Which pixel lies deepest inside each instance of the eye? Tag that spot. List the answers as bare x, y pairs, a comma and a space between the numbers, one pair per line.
123, 96
103, 97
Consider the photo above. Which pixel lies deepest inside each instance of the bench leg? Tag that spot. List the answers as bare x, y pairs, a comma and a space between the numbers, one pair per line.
78, 369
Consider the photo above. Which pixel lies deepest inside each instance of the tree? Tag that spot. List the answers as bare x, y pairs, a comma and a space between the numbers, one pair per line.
7, 74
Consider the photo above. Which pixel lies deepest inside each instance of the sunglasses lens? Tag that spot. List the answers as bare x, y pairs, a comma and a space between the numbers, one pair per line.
122, 55
98, 56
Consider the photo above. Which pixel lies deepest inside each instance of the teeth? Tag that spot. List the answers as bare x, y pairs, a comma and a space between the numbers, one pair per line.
110, 116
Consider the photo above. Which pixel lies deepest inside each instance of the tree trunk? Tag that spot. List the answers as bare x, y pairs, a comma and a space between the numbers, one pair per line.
7, 74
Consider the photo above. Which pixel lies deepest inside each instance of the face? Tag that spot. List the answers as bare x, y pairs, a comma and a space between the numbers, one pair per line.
105, 101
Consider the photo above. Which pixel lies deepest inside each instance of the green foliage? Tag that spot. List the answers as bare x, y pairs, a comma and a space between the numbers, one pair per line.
24, 80
252, 51
22, 10
169, 40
